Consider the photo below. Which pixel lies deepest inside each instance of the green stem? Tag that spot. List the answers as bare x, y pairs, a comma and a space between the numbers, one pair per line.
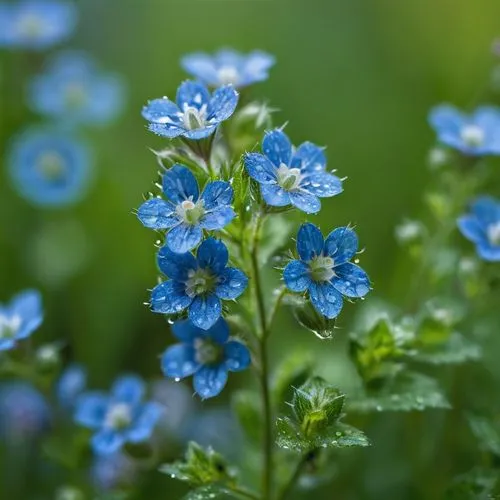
244, 493
288, 487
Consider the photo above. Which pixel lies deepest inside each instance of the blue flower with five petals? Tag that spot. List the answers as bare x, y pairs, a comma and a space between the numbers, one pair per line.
208, 355
291, 177
118, 418
475, 135
482, 227
324, 269
198, 284
229, 67
185, 212
195, 114
20, 318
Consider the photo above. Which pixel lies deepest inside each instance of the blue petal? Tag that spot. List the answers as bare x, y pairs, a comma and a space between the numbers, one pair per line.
232, 283
341, 244
309, 158
178, 361
166, 130
260, 168
223, 103
446, 119
71, 384
277, 147
91, 409
180, 184
192, 94
309, 241
212, 254
107, 442
322, 184
201, 66
205, 311
186, 332
488, 252
175, 265
7, 344
274, 195
145, 422
307, 202
237, 356
217, 218
28, 306
200, 133
255, 68
209, 381
296, 276
128, 389
157, 214
471, 228
216, 194
184, 237
326, 300
219, 332
169, 297
486, 209
161, 111
351, 280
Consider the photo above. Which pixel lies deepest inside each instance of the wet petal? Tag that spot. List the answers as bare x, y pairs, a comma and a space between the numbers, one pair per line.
277, 147
223, 103
260, 168
309, 241
237, 356
274, 195
326, 300
180, 184
212, 254
217, 218
232, 283
161, 111
341, 244
186, 332
205, 311
192, 94
219, 332
175, 265
309, 158
305, 201
296, 276
168, 130
169, 297
351, 280
216, 194
157, 214
322, 184
210, 380
184, 237
178, 361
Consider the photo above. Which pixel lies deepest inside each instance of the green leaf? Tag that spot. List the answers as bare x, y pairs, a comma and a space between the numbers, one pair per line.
209, 492
487, 432
246, 405
477, 484
457, 349
275, 236
432, 332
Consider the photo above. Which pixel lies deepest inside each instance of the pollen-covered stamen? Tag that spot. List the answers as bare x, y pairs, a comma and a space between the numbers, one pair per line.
75, 95
194, 118
321, 268
207, 352
118, 416
51, 165
228, 75
472, 135
190, 212
289, 178
9, 326
493, 232
200, 282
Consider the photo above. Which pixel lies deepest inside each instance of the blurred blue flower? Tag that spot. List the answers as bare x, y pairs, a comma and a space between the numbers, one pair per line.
109, 472
291, 177
324, 269
195, 114
186, 213
49, 168
117, 418
476, 134
198, 284
36, 24
71, 384
73, 90
482, 227
24, 412
208, 355
20, 318
229, 67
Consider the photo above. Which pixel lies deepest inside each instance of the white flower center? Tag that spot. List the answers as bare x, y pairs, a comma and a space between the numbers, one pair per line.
321, 268
75, 95
51, 165
190, 212
194, 118
9, 326
207, 352
289, 178
472, 135
118, 416
30, 25
227, 75
200, 282
493, 232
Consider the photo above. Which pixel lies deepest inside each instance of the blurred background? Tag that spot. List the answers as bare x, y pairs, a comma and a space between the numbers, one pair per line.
357, 76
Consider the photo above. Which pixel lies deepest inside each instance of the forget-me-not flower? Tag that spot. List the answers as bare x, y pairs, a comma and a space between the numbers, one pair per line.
476, 134
324, 269
229, 67
198, 284
194, 115
291, 177
71, 384
208, 355
72, 89
185, 213
118, 418
36, 24
49, 168
482, 227
20, 318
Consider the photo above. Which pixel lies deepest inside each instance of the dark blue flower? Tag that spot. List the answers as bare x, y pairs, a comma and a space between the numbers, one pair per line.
229, 67
324, 269
195, 114
118, 418
476, 134
20, 318
73, 90
71, 384
49, 168
185, 212
291, 177
36, 24
208, 355
482, 227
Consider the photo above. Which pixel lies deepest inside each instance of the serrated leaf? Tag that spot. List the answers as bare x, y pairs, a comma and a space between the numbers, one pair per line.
457, 349
487, 432
246, 405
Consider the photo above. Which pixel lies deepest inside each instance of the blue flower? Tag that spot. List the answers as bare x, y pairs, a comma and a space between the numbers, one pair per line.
482, 227
289, 177
475, 135
49, 168
198, 284
118, 418
72, 89
195, 114
36, 24
208, 355
324, 269
229, 67
20, 318
185, 212
109, 472
71, 384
